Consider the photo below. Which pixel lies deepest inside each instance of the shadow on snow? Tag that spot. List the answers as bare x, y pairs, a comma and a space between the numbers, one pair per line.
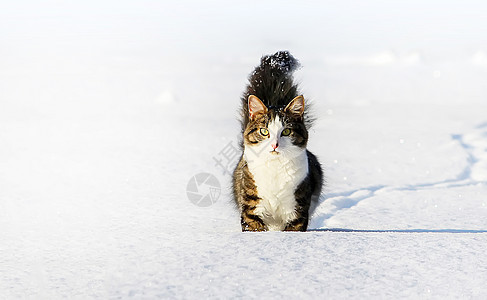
402, 230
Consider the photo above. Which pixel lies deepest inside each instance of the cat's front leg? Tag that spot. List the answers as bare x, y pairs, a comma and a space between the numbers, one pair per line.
251, 222
301, 221
299, 224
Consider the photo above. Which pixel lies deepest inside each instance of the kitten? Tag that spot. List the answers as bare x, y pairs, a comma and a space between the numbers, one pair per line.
276, 178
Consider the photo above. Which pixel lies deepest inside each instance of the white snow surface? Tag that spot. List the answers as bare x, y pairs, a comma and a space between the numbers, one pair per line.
108, 109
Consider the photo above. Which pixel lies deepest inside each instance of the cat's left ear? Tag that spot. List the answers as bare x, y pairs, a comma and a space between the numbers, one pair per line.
296, 106
256, 106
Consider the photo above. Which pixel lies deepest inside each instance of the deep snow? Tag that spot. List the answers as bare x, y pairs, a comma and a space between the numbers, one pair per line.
107, 110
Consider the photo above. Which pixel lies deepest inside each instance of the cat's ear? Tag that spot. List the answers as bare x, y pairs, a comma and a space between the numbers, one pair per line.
256, 106
296, 106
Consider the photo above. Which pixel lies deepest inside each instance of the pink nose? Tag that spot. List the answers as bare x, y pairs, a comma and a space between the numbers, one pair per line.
274, 146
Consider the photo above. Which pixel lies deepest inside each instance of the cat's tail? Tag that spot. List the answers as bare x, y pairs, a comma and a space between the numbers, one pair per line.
280, 63
272, 82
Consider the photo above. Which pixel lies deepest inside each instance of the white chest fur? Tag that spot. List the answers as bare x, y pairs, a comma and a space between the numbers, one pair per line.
276, 178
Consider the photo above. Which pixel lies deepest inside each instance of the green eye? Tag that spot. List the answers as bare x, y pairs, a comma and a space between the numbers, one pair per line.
286, 132
264, 131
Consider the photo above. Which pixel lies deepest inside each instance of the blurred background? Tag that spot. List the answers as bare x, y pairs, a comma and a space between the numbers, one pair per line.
160, 51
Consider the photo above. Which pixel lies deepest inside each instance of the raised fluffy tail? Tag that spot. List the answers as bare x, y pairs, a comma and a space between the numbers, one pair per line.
272, 82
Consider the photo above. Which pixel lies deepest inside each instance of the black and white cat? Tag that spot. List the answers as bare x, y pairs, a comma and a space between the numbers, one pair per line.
277, 177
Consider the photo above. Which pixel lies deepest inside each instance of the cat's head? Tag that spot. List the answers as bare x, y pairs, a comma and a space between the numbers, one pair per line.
273, 132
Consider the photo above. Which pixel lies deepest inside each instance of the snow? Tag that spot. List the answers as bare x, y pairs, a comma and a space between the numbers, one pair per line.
109, 109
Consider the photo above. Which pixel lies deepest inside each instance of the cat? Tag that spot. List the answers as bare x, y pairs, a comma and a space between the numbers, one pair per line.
277, 178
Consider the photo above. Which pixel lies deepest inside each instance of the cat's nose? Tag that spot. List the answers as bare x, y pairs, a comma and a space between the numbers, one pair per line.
274, 145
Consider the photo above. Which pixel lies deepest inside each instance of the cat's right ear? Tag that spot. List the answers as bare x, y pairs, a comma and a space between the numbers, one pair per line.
256, 106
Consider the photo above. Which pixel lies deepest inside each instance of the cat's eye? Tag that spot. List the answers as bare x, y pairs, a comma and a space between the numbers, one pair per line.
264, 131
286, 132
